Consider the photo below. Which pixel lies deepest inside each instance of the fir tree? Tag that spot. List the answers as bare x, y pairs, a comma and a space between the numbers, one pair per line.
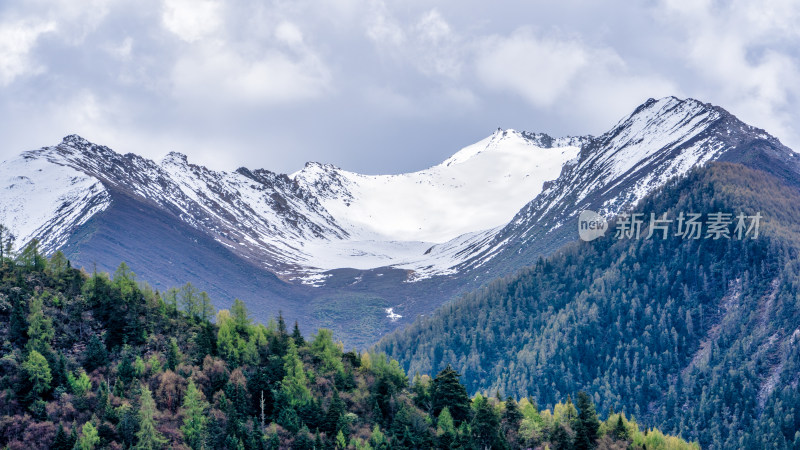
38, 373
173, 354
334, 413
297, 335
148, 437
447, 391
587, 423
95, 354
485, 423
303, 441
89, 437
620, 431
294, 383
195, 420
62, 440
560, 439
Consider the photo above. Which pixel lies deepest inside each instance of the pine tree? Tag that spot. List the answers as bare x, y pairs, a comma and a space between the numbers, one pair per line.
189, 301
6, 243
148, 437
18, 322
298, 336
61, 441
95, 354
207, 310
485, 424
445, 429
58, 265
303, 441
280, 344
341, 441
195, 420
335, 411
295, 382
38, 373
241, 318
620, 431
40, 327
447, 391
30, 259
559, 438
173, 354
512, 416
378, 439
587, 424
89, 437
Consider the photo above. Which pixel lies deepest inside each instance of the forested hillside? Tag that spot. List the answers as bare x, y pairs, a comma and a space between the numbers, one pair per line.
94, 361
700, 337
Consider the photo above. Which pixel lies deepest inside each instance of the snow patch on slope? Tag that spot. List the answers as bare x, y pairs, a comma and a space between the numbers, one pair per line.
47, 201
480, 187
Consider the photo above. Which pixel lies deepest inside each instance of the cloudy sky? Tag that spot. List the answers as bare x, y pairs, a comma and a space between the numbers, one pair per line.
376, 86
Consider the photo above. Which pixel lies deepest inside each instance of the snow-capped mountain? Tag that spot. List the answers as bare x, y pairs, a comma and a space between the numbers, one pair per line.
660, 140
317, 219
400, 243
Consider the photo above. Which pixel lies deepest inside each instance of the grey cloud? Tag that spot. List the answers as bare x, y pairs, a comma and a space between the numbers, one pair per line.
376, 86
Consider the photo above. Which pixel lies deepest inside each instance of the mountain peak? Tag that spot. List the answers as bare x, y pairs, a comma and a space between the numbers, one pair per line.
76, 141
175, 158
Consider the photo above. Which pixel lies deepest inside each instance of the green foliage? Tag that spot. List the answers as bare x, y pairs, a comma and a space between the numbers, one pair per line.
30, 259
89, 438
197, 305
485, 424
295, 383
195, 420
329, 353
683, 334
37, 372
79, 385
148, 437
587, 424
40, 327
173, 354
95, 354
448, 392
6, 244
349, 400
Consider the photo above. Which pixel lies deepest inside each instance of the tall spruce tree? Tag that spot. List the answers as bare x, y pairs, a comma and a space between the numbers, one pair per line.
195, 421
587, 423
148, 437
447, 391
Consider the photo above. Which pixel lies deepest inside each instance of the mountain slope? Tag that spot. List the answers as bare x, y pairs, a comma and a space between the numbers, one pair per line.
291, 223
109, 364
700, 337
660, 140
373, 251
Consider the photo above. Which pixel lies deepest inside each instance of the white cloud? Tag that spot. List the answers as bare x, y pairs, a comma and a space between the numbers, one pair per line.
382, 29
218, 73
191, 20
745, 57
16, 42
182, 72
123, 50
289, 34
428, 45
540, 69
438, 50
